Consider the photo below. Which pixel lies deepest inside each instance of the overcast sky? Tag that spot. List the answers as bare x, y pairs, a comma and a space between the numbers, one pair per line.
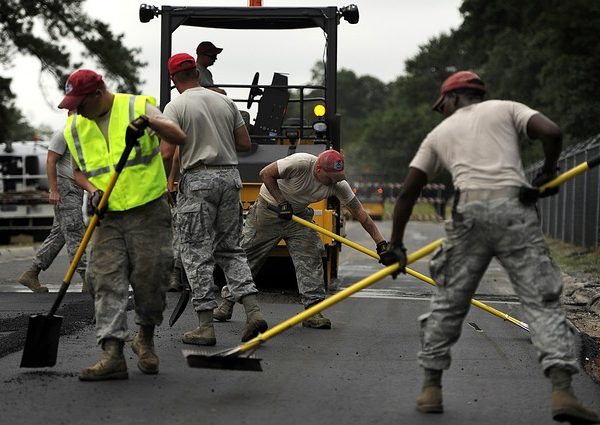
389, 32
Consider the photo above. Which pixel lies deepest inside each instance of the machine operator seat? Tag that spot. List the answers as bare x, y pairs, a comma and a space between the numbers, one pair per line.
271, 109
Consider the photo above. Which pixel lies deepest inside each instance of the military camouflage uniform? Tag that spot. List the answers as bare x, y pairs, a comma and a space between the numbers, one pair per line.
510, 231
120, 257
209, 222
262, 232
68, 227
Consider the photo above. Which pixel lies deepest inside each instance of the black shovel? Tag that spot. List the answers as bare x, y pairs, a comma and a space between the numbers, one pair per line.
43, 332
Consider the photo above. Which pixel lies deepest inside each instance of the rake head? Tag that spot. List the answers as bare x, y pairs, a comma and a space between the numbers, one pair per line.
229, 360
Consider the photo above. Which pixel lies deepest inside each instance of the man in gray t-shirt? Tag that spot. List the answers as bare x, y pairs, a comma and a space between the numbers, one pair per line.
209, 212
289, 186
68, 226
478, 143
206, 55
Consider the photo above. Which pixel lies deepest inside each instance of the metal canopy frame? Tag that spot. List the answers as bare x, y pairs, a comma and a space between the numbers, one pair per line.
255, 18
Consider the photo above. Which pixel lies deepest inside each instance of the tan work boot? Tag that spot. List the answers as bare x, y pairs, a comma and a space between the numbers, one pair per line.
30, 280
111, 366
566, 408
430, 400
224, 311
255, 322
143, 347
204, 334
318, 321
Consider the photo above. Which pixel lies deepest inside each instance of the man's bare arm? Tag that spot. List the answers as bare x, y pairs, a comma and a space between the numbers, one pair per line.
359, 214
242, 139
83, 182
167, 130
269, 176
51, 161
411, 188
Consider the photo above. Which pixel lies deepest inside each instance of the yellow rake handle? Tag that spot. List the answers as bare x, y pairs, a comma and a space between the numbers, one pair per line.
573, 172
336, 298
409, 271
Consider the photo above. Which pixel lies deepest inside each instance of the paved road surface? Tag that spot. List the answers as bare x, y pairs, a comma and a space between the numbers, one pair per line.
363, 371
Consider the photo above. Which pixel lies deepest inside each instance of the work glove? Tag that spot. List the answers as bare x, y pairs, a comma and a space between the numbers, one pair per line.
136, 129
544, 177
93, 202
396, 253
381, 247
284, 210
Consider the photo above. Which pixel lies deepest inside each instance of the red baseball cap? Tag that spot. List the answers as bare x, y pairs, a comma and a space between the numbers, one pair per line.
180, 62
332, 162
79, 84
459, 80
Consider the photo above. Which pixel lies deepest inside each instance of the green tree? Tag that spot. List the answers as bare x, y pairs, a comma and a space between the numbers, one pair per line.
41, 28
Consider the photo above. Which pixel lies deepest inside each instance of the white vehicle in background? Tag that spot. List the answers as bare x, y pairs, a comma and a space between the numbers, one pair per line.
24, 207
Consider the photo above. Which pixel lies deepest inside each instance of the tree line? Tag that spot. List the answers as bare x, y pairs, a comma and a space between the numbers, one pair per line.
543, 53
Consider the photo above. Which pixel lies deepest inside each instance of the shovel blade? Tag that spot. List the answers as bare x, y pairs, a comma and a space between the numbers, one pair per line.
41, 343
180, 307
219, 361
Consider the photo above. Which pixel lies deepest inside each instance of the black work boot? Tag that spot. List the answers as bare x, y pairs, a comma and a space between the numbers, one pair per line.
255, 322
143, 347
430, 399
112, 365
565, 406
204, 334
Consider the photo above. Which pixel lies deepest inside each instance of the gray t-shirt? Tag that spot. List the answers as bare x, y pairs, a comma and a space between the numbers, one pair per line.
58, 144
479, 145
300, 186
205, 77
209, 119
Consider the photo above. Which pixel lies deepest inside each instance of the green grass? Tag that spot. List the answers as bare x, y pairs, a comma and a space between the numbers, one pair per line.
576, 260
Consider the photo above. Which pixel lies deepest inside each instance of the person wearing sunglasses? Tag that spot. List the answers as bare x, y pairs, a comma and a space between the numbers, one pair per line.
206, 55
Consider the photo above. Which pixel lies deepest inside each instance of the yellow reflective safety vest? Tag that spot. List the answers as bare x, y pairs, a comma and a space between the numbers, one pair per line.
143, 179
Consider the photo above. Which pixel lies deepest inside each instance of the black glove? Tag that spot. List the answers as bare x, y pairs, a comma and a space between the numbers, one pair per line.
381, 247
284, 210
544, 177
396, 253
93, 202
136, 129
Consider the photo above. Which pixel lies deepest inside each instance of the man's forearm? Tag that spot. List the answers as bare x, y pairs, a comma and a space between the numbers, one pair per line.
83, 182
274, 190
167, 130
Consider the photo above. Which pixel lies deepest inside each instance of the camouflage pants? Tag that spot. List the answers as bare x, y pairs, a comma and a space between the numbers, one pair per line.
508, 230
175, 243
209, 223
131, 247
68, 227
262, 232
